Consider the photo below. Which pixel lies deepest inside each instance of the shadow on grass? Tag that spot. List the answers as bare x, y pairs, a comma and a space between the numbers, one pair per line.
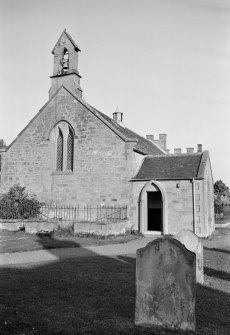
89, 295
20, 242
218, 250
217, 274
48, 241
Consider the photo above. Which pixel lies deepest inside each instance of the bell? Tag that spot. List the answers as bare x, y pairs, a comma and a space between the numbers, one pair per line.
65, 64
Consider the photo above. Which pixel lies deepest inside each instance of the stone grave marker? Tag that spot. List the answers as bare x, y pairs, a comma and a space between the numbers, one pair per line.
165, 285
193, 243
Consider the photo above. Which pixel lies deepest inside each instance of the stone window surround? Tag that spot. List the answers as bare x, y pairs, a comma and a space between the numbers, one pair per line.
152, 186
65, 128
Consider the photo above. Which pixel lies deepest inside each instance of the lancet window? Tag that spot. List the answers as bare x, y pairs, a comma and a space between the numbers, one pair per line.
62, 142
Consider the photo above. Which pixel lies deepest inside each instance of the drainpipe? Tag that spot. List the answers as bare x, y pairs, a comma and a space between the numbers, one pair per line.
139, 215
194, 205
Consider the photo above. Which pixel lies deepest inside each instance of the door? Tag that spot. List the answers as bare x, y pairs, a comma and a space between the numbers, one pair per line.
154, 211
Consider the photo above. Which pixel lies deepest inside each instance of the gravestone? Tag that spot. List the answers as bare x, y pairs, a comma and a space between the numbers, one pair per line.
193, 243
165, 285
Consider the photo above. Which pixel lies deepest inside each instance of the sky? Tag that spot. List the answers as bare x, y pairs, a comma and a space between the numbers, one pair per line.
164, 63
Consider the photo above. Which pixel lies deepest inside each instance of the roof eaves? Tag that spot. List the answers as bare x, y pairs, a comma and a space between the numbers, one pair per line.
143, 141
162, 179
142, 152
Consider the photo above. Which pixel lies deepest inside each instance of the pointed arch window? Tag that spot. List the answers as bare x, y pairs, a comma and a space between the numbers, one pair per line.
60, 143
62, 153
69, 164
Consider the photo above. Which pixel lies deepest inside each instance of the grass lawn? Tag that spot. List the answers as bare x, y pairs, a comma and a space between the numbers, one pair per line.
96, 295
222, 221
20, 241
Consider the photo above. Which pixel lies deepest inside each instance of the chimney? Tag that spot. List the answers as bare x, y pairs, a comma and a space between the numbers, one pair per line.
199, 147
177, 151
162, 142
190, 150
118, 116
150, 137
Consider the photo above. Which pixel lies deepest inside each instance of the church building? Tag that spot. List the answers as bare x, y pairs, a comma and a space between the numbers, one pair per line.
71, 153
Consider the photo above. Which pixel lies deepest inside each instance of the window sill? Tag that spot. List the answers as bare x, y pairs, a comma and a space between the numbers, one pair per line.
62, 173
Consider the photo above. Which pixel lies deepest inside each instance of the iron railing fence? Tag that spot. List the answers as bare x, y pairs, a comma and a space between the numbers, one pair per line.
86, 213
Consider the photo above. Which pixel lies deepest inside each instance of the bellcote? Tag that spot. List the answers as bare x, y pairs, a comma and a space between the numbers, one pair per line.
65, 65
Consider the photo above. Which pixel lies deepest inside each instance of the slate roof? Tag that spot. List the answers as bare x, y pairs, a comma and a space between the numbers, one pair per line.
181, 166
142, 145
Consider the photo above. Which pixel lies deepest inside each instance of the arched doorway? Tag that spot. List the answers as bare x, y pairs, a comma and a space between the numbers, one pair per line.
153, 209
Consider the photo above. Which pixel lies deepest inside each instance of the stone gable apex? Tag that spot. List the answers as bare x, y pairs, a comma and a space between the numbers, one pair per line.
81, 102
126, 134
65, 33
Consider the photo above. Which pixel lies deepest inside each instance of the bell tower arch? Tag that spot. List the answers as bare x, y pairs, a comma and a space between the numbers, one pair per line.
65, 65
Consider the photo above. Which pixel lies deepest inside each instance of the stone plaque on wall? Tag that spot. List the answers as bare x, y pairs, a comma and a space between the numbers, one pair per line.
165, 285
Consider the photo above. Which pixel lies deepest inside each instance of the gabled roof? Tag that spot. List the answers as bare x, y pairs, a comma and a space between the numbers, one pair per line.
70, 38
142, 145
181, 166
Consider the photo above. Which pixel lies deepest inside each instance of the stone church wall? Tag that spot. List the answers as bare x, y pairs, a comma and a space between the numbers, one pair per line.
103, 162
180, 205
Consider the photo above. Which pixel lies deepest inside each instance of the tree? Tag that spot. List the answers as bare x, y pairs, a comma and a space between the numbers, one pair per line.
18, 204
221, 196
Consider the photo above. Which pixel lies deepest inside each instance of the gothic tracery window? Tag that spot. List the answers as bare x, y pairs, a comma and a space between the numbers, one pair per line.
62, 143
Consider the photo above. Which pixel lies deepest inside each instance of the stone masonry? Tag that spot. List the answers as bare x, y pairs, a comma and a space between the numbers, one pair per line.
102, 161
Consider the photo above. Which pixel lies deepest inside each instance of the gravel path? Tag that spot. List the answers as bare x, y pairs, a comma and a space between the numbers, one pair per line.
217, 246
50, 255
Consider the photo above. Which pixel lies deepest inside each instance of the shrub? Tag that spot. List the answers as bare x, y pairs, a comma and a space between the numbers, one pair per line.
18, 204
221, 196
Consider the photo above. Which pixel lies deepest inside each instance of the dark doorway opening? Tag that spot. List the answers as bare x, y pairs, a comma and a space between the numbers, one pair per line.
154, 211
